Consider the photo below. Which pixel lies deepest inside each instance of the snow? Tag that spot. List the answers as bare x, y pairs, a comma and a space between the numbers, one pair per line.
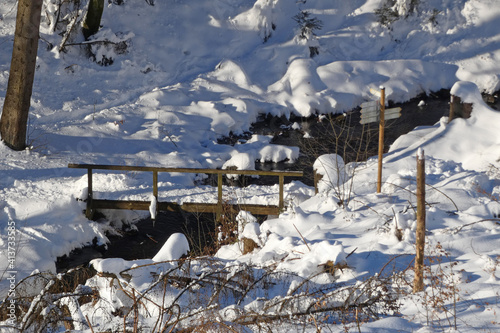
332, 169
153, 207
174, 248
192, 72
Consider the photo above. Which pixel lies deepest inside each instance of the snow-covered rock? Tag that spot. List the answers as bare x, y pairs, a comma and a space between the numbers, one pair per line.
174, 248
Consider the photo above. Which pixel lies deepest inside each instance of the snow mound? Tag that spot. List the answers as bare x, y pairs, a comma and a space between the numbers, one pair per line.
174, 248
467, 91
333, 170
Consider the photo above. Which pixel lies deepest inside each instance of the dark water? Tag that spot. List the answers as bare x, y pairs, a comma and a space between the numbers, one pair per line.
145, 240
148, 239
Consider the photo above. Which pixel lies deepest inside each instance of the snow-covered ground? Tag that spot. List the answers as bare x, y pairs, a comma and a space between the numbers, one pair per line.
185, 73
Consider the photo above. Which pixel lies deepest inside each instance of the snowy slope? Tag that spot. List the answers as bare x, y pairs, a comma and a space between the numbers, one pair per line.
186, 73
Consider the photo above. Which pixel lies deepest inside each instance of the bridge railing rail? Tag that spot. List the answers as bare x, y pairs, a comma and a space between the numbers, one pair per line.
94, 204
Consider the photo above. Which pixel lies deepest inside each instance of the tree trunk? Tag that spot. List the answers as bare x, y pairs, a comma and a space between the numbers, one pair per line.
22, 72
93, 18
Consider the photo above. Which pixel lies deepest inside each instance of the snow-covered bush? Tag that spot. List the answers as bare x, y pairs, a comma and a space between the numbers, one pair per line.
336, 178
392, 10
307, 24
307, 30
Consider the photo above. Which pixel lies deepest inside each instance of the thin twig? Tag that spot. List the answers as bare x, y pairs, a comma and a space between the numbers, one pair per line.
496, 220
90, 325
302, 238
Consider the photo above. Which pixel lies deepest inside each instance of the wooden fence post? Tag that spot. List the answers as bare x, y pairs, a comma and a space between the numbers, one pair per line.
281, 204
219, 198
155, 189
381, 138
418, 283
89, 211
452, 108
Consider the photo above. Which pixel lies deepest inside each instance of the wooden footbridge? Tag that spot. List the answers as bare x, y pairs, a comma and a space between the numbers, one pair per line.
217, 208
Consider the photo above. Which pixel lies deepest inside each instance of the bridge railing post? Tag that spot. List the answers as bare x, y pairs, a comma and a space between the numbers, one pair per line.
155, 188
89, 212
219, 197
281, 204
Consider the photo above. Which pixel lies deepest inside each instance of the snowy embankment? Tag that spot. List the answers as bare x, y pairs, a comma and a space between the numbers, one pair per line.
195, 71
312, 253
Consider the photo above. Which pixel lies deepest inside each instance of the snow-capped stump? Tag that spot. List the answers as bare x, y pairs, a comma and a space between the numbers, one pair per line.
174, 248
329, 171
248, 232
463, 96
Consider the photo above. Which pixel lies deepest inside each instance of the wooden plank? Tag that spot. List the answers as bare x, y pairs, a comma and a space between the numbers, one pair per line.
185, 170
370, 109
392, 115
393, 110
370, 114
375, 92
133, 205
212, 208
190, 207
370, 104
369, 120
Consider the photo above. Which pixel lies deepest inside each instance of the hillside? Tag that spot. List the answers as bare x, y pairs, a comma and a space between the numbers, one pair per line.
162, 81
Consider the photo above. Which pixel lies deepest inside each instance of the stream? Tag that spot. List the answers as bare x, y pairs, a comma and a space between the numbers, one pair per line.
147, 238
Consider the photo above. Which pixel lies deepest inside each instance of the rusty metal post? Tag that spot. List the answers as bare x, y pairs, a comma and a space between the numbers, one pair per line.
381, 138
418, 283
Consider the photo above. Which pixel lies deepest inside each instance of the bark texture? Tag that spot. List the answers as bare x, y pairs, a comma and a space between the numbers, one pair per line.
22, 72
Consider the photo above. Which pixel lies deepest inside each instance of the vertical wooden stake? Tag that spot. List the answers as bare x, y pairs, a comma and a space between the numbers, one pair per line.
418, 283
89, 211
381, 138
281, 204
452, 109
219, 197
155, 188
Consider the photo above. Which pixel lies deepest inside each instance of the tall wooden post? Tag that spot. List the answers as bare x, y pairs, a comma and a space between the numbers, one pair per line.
381, 138
22, 72
281, 204
155, 189
219, 198
418, 283
89, 212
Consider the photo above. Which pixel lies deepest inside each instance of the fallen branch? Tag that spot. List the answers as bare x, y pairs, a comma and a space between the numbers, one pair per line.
496, 220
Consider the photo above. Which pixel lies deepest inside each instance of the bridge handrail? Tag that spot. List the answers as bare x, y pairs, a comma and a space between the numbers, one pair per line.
156, 170
185, 170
